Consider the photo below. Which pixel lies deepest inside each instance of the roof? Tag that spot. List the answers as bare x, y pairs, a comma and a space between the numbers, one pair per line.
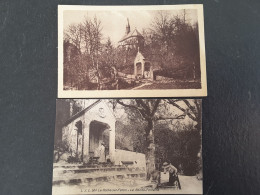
134, 33
139, 56
78, 114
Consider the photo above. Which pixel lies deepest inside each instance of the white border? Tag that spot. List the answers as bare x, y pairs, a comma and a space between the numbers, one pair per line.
132, 93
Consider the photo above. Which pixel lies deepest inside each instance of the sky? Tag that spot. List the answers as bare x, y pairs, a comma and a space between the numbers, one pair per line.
114, 22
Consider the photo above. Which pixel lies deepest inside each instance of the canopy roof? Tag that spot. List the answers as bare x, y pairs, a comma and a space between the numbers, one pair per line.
78, 114
139, 57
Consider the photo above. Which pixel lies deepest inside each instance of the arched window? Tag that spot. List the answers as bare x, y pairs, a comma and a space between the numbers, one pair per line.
139, 68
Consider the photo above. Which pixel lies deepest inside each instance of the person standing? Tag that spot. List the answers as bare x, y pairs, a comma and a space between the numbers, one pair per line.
102, 155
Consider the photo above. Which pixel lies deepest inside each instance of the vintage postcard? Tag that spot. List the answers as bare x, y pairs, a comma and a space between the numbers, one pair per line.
131, 51
127, 146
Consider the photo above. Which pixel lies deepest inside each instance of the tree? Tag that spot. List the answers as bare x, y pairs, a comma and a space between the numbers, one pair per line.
147, 108
71, 63
192, 111
163, 28
153, 110
74, 34
72, 54
174, 42
86, 38
92, 45
107, 59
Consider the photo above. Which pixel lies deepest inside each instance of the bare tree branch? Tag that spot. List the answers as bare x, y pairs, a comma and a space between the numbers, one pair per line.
182, 109
198, 105
171, 118
141, 110
128, 105
190, 106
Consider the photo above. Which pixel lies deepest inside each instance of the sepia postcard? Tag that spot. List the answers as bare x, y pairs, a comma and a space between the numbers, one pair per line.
131, 51
127, 146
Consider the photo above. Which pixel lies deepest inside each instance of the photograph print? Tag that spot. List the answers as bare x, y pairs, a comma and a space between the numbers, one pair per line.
127, 146
131, 51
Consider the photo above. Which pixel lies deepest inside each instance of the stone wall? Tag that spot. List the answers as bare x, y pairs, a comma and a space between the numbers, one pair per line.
123, 155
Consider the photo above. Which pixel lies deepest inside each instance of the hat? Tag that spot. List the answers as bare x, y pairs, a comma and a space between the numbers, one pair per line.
165, 164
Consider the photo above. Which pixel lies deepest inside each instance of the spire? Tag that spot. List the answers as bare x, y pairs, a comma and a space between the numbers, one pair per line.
127, 27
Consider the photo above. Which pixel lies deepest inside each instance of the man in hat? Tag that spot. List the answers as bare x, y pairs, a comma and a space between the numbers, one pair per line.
173, 176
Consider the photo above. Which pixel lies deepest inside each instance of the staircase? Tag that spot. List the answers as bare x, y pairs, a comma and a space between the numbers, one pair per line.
88, 176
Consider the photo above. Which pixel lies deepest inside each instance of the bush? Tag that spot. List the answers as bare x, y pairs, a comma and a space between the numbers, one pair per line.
60, 148
181, 148
190, 166
73, 159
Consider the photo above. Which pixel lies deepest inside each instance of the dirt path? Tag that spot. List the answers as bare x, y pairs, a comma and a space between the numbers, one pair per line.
189, 184
142, 86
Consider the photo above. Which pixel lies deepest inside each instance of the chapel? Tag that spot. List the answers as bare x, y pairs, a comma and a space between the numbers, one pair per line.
133, 43
132, 38
86, 130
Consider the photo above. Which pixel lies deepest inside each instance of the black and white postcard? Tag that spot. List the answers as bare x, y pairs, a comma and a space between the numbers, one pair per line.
131, 51
128, 146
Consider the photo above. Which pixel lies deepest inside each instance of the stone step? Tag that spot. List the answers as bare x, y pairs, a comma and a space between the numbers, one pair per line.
71, 169
80, 166
88, 179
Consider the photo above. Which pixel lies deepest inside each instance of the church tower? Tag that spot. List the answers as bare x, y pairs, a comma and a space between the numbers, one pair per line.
127, 27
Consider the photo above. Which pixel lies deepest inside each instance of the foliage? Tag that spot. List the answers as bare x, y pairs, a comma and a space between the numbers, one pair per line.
180, 147
173, 44
60, 148
72, 69
86, 37
156, 137
133, 127
179, 144
74, 159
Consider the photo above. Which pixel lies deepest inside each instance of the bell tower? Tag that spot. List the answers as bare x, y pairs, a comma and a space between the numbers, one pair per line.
127, 27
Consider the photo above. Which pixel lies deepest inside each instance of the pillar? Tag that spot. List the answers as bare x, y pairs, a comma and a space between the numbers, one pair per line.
135, 68
142, 68
112, 141
85, 141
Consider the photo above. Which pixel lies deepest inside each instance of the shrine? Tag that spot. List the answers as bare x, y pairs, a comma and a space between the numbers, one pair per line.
142, 67
86, 130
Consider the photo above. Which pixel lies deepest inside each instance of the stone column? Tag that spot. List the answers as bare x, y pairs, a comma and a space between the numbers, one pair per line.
135, 68
112, 140
151, 72
142, 68
85, 141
